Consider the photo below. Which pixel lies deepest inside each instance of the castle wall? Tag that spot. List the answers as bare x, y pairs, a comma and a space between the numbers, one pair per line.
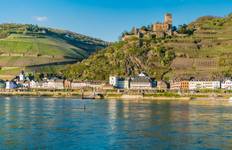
157, 27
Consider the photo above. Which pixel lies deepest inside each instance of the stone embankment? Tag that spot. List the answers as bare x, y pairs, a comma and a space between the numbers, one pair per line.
80, 94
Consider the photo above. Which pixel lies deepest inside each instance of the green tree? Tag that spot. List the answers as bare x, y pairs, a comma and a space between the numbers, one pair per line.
183, 29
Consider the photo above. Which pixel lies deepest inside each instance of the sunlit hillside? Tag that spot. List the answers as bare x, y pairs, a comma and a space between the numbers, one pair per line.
204, 54
32, 46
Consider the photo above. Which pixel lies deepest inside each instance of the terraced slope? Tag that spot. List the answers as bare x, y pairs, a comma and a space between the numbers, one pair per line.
205, 54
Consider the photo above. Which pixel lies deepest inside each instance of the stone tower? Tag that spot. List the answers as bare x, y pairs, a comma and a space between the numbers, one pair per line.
165, 28
168, 19
168, 24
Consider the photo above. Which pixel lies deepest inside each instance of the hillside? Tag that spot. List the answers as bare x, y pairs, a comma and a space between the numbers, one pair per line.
206, 53
33, 46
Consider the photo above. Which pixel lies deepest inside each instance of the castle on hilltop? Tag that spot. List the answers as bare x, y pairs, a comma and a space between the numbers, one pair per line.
164, 28
158, 30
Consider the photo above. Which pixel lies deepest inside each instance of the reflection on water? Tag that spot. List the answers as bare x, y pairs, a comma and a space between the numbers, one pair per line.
48, 123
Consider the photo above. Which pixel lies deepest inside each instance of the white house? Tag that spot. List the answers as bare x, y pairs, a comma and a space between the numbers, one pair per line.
58, 84
113, 80
21, 77
226, 84
142, 81
194, 85
10, 85
34, 84
119, 83
79, 85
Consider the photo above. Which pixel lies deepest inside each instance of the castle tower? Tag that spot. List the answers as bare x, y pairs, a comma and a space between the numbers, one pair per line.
168, 19
165, 28
168, 23
134, 31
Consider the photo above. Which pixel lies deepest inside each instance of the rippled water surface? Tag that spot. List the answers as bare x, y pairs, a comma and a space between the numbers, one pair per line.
48, 123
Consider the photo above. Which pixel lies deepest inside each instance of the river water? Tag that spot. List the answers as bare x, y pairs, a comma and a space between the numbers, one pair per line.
71, 124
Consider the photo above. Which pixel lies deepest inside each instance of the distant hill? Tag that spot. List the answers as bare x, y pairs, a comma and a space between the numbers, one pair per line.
28, 45
203, 53
32, 46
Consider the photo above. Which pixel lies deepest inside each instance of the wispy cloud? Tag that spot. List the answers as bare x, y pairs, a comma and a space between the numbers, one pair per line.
41, 18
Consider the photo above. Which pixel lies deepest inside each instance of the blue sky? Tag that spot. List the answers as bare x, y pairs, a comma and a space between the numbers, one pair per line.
106, 19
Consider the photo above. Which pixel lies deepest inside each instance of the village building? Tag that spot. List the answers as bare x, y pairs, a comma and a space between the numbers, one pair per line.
123, 84
162, 86
23, 84
50, 84
184, 85
113, 80
2, 84
179, 85
21, 77
58, 84
10, 85
33, 84
78, 85
175, 85
67, 84
196, 85
226, 84
86, 84
142, 81
119, 83
96, 84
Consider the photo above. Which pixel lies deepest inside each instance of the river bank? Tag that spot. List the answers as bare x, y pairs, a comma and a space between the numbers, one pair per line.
118, 95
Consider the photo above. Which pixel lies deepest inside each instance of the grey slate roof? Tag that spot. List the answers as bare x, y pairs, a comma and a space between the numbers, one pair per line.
141, 79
